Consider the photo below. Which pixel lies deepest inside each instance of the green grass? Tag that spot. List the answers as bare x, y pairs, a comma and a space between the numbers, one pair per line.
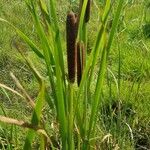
117, 92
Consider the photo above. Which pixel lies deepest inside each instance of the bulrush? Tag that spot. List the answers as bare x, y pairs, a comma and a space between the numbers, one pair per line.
87, 12
71, 28
80, 61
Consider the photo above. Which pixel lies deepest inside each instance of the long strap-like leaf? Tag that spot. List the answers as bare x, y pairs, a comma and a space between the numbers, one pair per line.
32, 45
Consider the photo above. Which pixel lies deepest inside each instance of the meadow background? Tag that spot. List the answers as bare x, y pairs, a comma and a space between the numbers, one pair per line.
128, 62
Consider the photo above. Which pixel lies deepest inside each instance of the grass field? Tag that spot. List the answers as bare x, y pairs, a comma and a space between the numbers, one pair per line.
123, 111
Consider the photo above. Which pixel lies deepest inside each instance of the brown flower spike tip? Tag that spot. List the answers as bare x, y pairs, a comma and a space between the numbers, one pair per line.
80, 61
71, 28
87, 12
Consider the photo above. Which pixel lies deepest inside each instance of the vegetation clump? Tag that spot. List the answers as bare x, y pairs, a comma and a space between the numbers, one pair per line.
81, 91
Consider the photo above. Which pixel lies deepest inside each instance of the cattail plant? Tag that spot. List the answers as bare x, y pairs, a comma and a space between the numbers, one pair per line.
87, 12
80, 61
71, 29
70, 103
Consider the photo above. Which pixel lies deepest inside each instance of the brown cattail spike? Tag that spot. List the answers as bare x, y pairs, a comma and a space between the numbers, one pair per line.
80, 61
71, 40
87, 12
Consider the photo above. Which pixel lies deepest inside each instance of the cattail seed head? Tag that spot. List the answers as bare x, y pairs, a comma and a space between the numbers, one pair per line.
80, 61
87, 12
71, 25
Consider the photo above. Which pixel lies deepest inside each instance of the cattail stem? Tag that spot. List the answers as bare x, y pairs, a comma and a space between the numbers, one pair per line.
71, 28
